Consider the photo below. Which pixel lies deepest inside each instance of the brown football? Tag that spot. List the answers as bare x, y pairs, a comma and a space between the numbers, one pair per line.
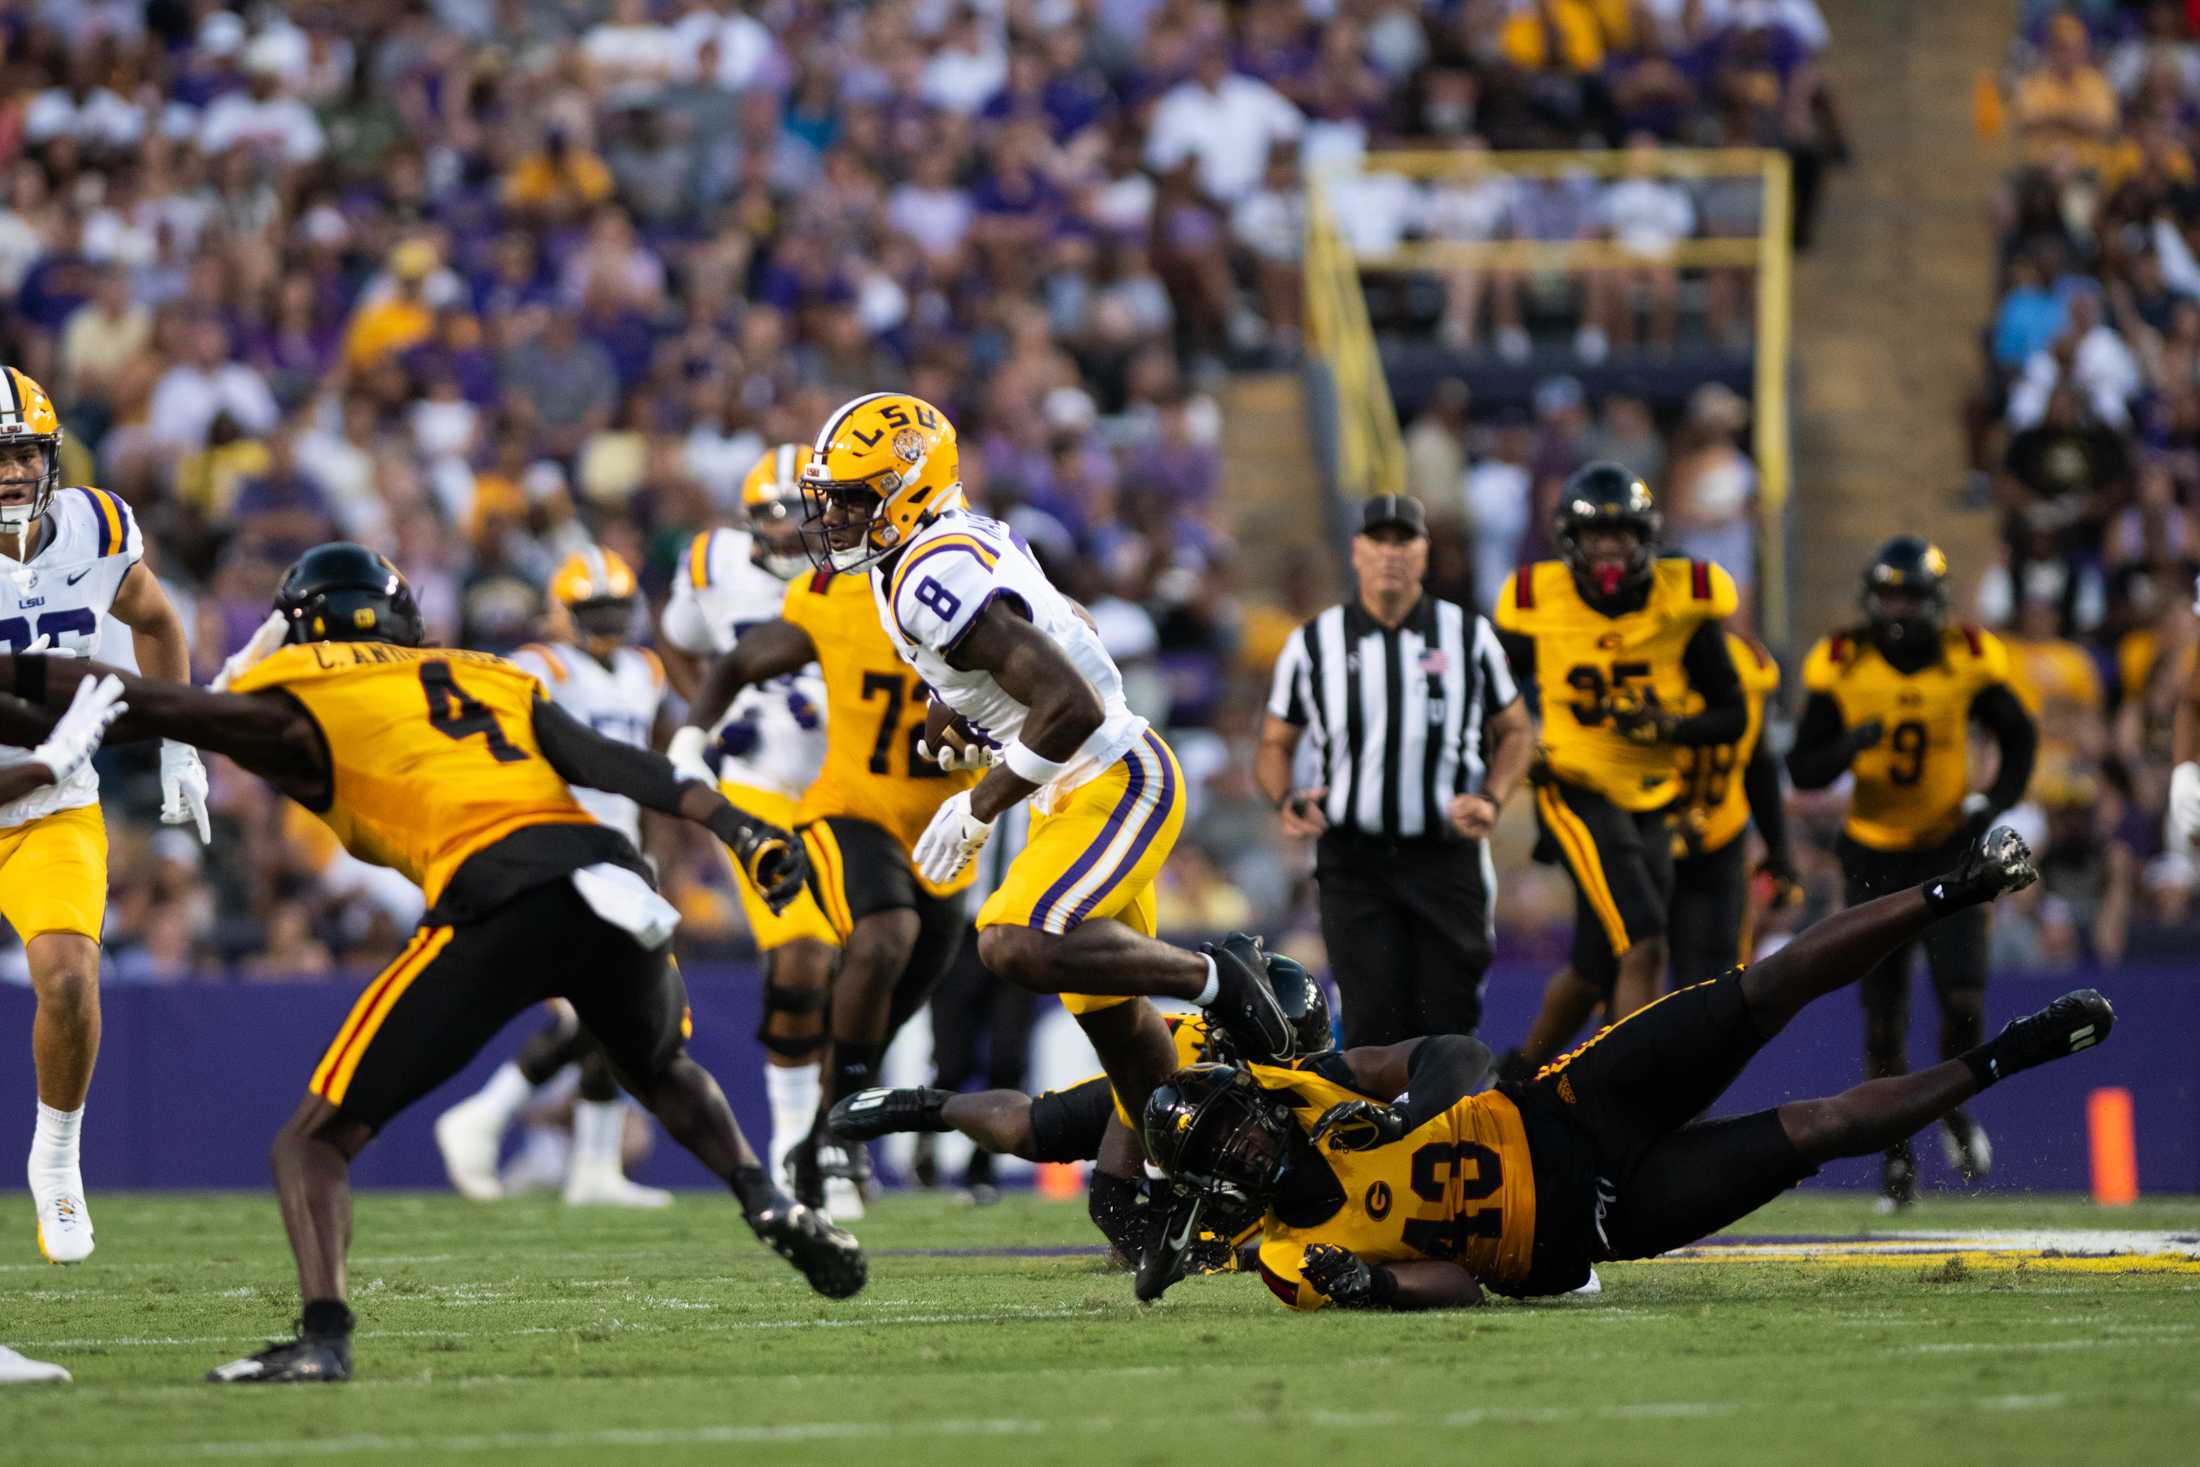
942, 722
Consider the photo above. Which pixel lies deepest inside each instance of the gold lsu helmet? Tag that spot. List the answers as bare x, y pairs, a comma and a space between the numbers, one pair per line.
771, 501
596, 589
27, 416
891, 460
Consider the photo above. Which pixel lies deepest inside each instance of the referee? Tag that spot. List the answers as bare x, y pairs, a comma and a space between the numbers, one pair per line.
1419, 737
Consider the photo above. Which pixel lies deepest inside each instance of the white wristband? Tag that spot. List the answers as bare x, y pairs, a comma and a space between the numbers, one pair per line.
1026, 763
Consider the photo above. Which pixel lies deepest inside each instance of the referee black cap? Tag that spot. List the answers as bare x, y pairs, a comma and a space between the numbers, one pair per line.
1393, 509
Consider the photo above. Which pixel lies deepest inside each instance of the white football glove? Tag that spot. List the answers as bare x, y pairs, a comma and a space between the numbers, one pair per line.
952, 760
689, 756
44, 643
183, 789
953, 837
265, 638
76, 734
2183, 823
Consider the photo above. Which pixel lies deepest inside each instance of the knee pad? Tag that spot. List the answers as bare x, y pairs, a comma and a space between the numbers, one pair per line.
779, 999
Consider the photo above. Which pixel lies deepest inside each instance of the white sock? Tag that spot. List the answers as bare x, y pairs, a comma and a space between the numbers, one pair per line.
1208, 994
599, 1134
54, 1143
506, 1094
793, 1092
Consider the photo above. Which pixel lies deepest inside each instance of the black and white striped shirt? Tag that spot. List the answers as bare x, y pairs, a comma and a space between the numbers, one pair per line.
1397, 715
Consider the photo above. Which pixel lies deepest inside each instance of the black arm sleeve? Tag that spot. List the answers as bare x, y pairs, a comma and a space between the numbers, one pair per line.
1998, 708
1445, 1069
1710, 669
1761, 783
1821, 753
584, 757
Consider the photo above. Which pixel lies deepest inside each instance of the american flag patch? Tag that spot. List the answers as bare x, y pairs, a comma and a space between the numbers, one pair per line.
1433, 662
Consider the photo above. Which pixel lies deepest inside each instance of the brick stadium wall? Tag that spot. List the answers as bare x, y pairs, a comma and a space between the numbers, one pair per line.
194, 1080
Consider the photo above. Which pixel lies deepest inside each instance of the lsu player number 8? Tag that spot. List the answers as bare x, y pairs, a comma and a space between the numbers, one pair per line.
69, 557
965, 603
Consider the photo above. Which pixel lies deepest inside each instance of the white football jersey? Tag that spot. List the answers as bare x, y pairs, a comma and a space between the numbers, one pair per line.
720, 593
61, 594
619, 701
951, 571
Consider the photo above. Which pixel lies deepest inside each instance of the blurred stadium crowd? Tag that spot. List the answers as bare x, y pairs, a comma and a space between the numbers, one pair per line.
2085, 438
479, 281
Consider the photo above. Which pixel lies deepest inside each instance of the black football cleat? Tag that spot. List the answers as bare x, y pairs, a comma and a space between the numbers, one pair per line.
308, 1358
1165, 1258
829, 1257
1245, 1005
870, 1114
1999, 864
2071, 1023
805, 1177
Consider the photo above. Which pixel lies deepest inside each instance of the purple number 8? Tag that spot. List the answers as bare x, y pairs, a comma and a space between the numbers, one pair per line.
931, 593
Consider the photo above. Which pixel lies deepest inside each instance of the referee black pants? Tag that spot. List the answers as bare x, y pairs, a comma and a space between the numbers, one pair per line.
1407, 927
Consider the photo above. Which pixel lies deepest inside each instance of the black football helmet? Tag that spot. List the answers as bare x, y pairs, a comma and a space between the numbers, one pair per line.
341, 592
1905, 596
1604, 496
1214, 1129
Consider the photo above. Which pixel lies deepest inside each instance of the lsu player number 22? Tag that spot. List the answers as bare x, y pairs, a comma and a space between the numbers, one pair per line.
68, 557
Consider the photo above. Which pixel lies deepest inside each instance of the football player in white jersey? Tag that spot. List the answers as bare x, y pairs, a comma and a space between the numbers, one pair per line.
75, 738
965, 604
68, 557
592, 670
765, 749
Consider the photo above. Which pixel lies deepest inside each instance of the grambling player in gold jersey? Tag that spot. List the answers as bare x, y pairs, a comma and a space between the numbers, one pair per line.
452, 768
1726, 788
877, 789
1893, 702
1079, 1123
1615, 640
1426, 1201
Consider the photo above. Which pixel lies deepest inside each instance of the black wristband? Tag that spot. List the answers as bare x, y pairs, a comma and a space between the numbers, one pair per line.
729, 825
1382, 1287
30, 677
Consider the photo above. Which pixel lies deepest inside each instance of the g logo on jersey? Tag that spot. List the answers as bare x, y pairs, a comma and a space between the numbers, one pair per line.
1378, 1200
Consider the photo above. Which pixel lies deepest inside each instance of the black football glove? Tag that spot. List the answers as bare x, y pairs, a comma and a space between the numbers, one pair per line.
774, 861
1641, 720
1343, 1275
1359, 1125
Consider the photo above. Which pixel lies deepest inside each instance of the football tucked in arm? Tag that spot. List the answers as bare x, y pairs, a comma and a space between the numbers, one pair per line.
945, 728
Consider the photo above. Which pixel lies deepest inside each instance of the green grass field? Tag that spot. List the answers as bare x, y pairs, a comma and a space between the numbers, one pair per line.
529, 1333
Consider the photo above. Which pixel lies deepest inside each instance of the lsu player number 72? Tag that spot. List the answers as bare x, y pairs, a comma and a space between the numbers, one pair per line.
69, 557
